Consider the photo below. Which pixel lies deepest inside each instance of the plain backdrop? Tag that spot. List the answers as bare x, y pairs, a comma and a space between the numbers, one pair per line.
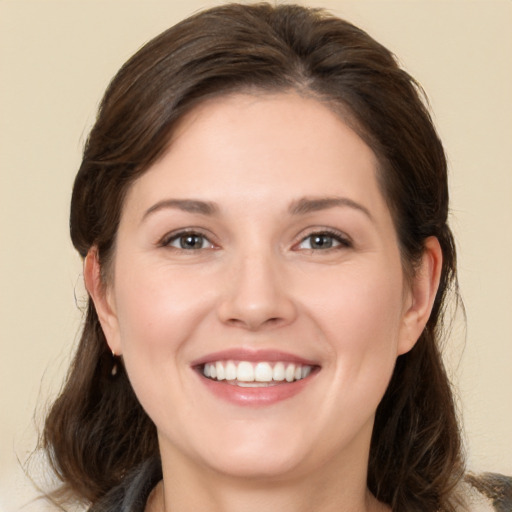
56, 58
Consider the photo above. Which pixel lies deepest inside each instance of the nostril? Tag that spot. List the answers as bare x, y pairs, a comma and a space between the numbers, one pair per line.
235, 321
252, 323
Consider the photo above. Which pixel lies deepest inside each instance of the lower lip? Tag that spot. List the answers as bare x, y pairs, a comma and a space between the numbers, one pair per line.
257, 396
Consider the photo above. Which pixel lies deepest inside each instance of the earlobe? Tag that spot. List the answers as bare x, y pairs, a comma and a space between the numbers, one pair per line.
102, 299
423, 290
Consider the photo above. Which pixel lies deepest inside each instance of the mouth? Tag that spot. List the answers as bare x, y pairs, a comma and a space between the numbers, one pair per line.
248, 374
255, 378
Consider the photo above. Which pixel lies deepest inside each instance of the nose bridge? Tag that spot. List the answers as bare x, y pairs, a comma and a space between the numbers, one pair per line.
256, 294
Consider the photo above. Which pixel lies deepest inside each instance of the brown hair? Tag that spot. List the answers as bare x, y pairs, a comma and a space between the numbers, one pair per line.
96, 430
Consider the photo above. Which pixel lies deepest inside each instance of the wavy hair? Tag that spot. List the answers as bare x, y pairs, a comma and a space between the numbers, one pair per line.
96, 431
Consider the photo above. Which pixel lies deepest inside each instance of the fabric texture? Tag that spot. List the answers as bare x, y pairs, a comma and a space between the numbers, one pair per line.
493, 489
489, 492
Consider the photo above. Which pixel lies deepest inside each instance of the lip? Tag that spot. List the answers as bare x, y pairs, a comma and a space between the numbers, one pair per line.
257, 396
253, 356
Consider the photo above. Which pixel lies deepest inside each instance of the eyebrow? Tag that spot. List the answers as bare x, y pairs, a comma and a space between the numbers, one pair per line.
301, 206
186, 205
314, 204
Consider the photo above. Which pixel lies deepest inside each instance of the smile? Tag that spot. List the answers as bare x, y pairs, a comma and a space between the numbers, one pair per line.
256, 378
256, 374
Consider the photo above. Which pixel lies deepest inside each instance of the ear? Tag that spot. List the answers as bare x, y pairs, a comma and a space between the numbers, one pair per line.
421, 295
101, 295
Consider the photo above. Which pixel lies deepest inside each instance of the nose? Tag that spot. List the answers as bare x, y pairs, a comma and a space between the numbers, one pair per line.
256, 295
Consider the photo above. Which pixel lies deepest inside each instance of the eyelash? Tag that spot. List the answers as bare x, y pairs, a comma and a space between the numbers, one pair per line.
176, 236
341, 240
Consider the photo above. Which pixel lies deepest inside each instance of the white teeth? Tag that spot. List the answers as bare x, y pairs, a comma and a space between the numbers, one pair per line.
263, 372
221, 373
230, 371
252, 384
247, 374
278, 373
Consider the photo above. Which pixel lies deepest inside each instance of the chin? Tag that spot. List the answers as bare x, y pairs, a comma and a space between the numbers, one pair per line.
259, 467
255, 453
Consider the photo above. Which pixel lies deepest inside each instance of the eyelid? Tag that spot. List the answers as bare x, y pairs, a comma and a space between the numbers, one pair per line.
344, 240
165, 240
341, 237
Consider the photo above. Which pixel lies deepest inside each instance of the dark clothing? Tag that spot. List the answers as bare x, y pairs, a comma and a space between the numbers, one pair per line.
487, 492
497, 488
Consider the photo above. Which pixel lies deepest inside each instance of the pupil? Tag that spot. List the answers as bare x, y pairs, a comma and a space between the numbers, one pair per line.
191, 241
321, 242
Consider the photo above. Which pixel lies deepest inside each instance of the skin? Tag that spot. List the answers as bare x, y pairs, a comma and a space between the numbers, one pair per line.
255, 282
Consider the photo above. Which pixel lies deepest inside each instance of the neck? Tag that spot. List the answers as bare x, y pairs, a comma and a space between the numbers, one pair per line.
326, 489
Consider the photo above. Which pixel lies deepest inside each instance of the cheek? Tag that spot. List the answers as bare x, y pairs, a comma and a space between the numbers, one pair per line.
359, 315
362, 328
160, 314
359, 307
158, 310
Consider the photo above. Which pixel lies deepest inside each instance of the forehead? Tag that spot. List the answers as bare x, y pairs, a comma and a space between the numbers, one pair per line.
286, 142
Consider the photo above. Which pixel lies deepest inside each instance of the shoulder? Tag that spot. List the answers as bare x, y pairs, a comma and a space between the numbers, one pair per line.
132, 493
486, 492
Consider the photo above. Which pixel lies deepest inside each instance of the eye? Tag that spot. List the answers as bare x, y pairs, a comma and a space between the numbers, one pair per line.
188, 241
323, 241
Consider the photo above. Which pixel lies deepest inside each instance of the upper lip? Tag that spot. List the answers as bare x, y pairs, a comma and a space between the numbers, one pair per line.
253, 355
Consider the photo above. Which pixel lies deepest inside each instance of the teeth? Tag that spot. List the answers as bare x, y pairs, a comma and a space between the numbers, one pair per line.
289, 373
263, 372
221, 373
230, 370
279, 371
244, 372
247, 374
306, 370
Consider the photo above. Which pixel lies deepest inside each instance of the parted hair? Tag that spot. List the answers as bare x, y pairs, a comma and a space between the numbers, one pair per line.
96, 430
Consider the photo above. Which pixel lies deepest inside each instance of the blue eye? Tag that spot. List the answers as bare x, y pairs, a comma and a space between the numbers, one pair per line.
323, 241
189, 242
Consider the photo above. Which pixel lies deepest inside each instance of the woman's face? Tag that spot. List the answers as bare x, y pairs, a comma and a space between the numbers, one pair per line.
260, 251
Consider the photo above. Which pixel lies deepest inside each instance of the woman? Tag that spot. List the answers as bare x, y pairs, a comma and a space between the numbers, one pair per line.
262, 211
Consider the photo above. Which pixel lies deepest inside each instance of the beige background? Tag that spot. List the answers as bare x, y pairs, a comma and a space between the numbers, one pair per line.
56, 57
